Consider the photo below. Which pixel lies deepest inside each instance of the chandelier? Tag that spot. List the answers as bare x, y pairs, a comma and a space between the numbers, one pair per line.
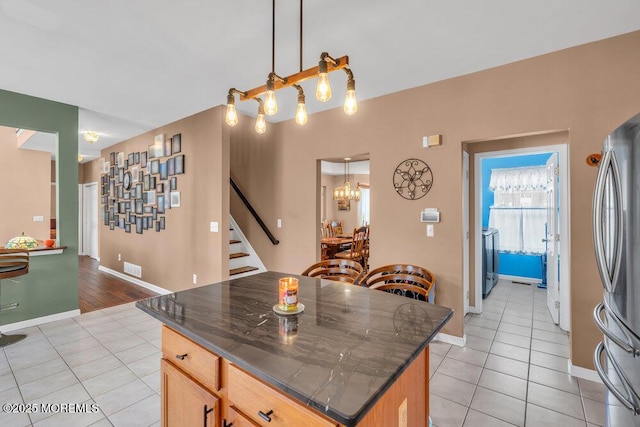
274, 82
345, 192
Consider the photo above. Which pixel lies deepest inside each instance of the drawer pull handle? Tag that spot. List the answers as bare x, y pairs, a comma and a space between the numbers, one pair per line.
181, 356
266, 416
206, 413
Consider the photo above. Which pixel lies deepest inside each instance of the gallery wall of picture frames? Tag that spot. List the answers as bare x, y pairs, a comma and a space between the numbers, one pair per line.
138, 188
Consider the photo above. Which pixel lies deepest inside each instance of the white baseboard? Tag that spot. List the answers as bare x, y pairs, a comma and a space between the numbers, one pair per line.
474, 310
519, 279
39, 320
584, 373
451, 339
135, 281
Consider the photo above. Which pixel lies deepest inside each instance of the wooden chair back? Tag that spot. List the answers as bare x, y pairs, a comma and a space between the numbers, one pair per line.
399, 274
336, 227
341, 270
357, 244
13, 262
403, 289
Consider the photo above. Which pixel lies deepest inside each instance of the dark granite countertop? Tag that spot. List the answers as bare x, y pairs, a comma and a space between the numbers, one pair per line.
339, 356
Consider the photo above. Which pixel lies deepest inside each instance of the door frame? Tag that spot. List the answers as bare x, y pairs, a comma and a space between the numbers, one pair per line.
465, 230
565, 232
85, 223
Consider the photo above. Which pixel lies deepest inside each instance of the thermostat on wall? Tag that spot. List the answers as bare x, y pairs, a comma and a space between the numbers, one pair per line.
430, 215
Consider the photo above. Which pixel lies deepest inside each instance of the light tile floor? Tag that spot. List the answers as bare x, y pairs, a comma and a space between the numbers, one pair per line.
512, 370
108, 357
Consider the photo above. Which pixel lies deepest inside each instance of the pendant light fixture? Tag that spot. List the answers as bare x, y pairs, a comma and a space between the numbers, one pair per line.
274, 82
346, 192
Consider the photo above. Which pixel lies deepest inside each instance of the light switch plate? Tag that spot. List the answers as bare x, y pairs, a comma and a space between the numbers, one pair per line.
213, 226
38, 218
279, 223
429, 230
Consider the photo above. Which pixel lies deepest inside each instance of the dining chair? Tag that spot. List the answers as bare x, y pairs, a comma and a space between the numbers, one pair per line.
357, 243
401, 274
341, 270
13, 263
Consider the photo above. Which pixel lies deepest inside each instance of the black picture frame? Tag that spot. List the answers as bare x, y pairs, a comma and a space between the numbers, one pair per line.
139, 207
152, 183
139, 228
160, 203
157, 226
143, 159
126, 195
146, 182
112, 226
160, 187
132, 219
124, 207
112, 157
145, 223
127, 228
112, 172
163, 170
131, 158
173, 184
136, 158
148, 209
121, 222
162, 223
120, 175
155, 166
154, 213
179, 164
171, 166
176, 144
139, 189
149, 222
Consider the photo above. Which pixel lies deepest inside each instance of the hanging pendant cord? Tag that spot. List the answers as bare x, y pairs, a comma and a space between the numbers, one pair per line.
301, 35
273, 36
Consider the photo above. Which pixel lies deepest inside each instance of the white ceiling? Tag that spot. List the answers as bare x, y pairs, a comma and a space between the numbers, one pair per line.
135, 65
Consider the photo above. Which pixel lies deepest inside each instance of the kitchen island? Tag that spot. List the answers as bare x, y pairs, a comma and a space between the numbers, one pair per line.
355, 356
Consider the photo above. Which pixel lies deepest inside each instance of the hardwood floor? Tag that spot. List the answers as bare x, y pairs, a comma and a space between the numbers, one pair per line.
98, 290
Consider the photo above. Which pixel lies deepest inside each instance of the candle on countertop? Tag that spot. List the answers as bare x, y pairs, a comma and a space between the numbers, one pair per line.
288, 294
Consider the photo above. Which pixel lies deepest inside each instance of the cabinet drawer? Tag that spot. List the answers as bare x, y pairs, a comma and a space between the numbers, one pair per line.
239, 420
253, 397
198, 362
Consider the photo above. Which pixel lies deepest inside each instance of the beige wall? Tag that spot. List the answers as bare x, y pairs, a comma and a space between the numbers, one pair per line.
587, 90
23, 173
170, 257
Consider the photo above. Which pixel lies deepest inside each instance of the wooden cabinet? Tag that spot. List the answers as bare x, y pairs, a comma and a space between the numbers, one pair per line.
185, 402
201, 388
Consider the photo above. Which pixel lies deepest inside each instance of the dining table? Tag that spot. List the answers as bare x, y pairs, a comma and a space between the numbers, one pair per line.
333, 245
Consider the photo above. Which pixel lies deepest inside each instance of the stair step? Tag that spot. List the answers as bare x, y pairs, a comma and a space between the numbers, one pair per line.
237, 255
231, 242
240, 270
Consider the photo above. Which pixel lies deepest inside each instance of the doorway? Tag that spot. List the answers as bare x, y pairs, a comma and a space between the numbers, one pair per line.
89, 235
560, 239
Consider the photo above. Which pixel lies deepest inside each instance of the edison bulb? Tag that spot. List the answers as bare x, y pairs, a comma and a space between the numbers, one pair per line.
270, 103
261, 124
323, 89
232, 115
301, 114
350, 103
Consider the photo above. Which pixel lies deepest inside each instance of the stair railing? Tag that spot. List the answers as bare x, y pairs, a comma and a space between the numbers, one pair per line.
253, 212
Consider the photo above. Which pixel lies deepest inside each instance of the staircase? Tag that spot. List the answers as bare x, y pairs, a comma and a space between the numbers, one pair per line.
243, 260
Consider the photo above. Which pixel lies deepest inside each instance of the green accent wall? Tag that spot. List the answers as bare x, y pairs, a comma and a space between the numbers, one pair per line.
52, 283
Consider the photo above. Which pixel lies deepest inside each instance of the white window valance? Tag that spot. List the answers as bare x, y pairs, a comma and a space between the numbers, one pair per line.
511, 180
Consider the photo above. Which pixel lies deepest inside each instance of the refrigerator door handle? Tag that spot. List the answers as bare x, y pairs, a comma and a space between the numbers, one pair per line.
631, 400
626, 346
608, 279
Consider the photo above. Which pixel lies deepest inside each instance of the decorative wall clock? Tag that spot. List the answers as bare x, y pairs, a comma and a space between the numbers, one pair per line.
412, 179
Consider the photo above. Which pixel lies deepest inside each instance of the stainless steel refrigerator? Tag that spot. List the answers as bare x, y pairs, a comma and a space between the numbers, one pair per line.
616, 233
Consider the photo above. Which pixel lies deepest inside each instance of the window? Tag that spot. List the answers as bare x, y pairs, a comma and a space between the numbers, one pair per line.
364, 207
519, 211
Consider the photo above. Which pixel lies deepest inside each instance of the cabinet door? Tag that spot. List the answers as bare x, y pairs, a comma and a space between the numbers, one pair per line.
185, 402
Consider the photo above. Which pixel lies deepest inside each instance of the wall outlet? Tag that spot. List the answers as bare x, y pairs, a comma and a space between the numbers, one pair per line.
38, 218
279, 223
429, 230
119, 257
195, 279
213, 226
